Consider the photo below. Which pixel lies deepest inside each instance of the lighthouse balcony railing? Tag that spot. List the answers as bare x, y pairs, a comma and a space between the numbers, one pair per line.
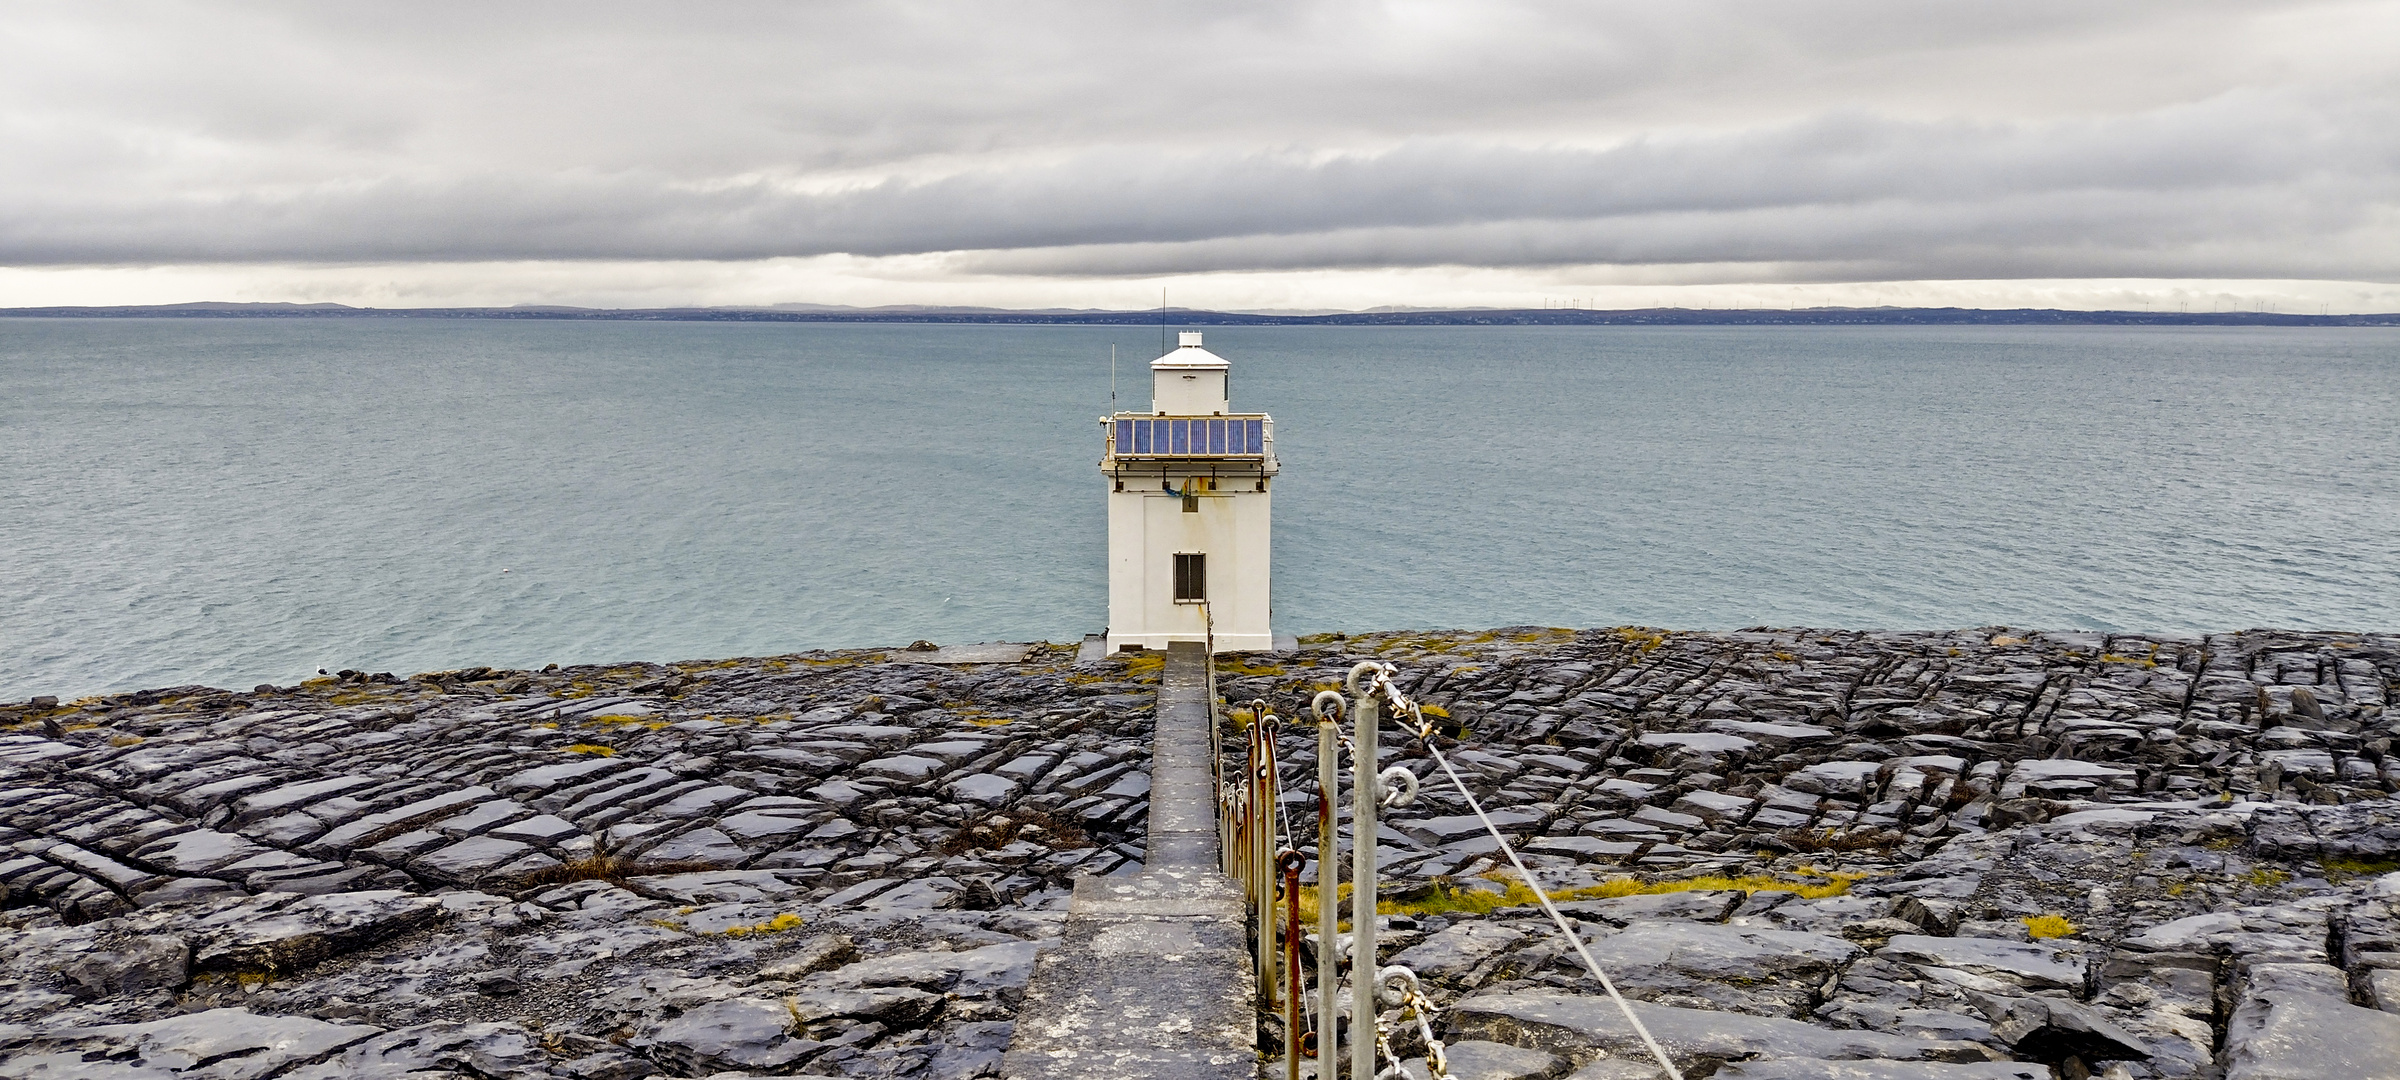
1241, 436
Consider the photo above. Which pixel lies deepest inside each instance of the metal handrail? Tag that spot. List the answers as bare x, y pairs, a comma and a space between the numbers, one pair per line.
1254, 855
1257, 855
1381, 686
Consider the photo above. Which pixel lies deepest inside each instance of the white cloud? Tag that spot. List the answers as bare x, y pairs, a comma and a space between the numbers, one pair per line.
1071, 154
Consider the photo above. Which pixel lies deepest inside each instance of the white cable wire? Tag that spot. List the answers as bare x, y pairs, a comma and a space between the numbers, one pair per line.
1401, 704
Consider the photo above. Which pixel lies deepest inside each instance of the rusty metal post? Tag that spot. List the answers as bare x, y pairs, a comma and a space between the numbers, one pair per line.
1294, 1008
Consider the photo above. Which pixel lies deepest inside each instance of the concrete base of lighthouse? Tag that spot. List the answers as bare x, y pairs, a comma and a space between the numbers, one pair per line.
1095, 647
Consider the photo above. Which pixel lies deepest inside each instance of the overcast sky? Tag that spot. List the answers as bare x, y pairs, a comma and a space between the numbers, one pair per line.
1286, 154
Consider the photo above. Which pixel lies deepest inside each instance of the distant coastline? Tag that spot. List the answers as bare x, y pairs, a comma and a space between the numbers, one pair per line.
1820, 316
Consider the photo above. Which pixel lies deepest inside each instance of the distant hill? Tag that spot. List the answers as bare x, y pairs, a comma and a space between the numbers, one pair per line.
1824, 316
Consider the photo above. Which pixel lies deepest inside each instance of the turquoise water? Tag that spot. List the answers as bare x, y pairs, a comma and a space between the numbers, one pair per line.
244, 501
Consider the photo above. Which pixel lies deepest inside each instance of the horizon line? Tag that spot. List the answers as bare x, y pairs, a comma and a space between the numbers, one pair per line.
1387, 316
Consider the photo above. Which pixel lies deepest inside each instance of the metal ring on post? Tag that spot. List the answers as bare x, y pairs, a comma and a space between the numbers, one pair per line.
1397, 786
1350, 681
1328, 705
1396, 995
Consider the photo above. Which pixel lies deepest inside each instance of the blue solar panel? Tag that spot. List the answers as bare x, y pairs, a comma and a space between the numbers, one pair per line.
1192, 437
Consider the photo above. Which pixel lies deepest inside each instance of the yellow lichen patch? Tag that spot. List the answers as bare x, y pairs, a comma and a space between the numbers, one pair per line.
2342, 869
124, 740
2266, 877
1644, 640
593, 749
319, 683
1442, 898
776, 925
2137, 661
617, 720
1834, 884
1435, 711
550, 724
988, 721
1541, 635
2048, 926
1143, 666
85, 725
1244, 667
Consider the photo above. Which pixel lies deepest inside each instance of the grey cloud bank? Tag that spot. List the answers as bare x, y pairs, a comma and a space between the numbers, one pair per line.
1717, 142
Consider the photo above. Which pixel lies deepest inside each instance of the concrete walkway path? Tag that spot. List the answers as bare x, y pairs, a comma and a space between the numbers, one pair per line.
1152, 975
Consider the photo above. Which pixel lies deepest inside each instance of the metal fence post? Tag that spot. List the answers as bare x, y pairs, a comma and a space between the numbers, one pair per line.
1262, 846
1329, 882
1362, 887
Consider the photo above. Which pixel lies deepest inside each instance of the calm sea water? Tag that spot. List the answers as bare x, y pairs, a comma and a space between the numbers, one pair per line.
244, 501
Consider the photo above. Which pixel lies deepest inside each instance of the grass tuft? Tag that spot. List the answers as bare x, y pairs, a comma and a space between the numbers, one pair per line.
608, 868
1000, 828
1817, 841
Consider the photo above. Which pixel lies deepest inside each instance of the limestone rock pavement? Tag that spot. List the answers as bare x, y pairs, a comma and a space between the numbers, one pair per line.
1864, 856
1892, 855
838, 863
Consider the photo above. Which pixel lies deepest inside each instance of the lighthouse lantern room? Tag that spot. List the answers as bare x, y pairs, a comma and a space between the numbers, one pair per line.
1188, 522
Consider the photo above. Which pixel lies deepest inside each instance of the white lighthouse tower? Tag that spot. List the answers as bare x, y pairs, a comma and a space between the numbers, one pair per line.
1188, 521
